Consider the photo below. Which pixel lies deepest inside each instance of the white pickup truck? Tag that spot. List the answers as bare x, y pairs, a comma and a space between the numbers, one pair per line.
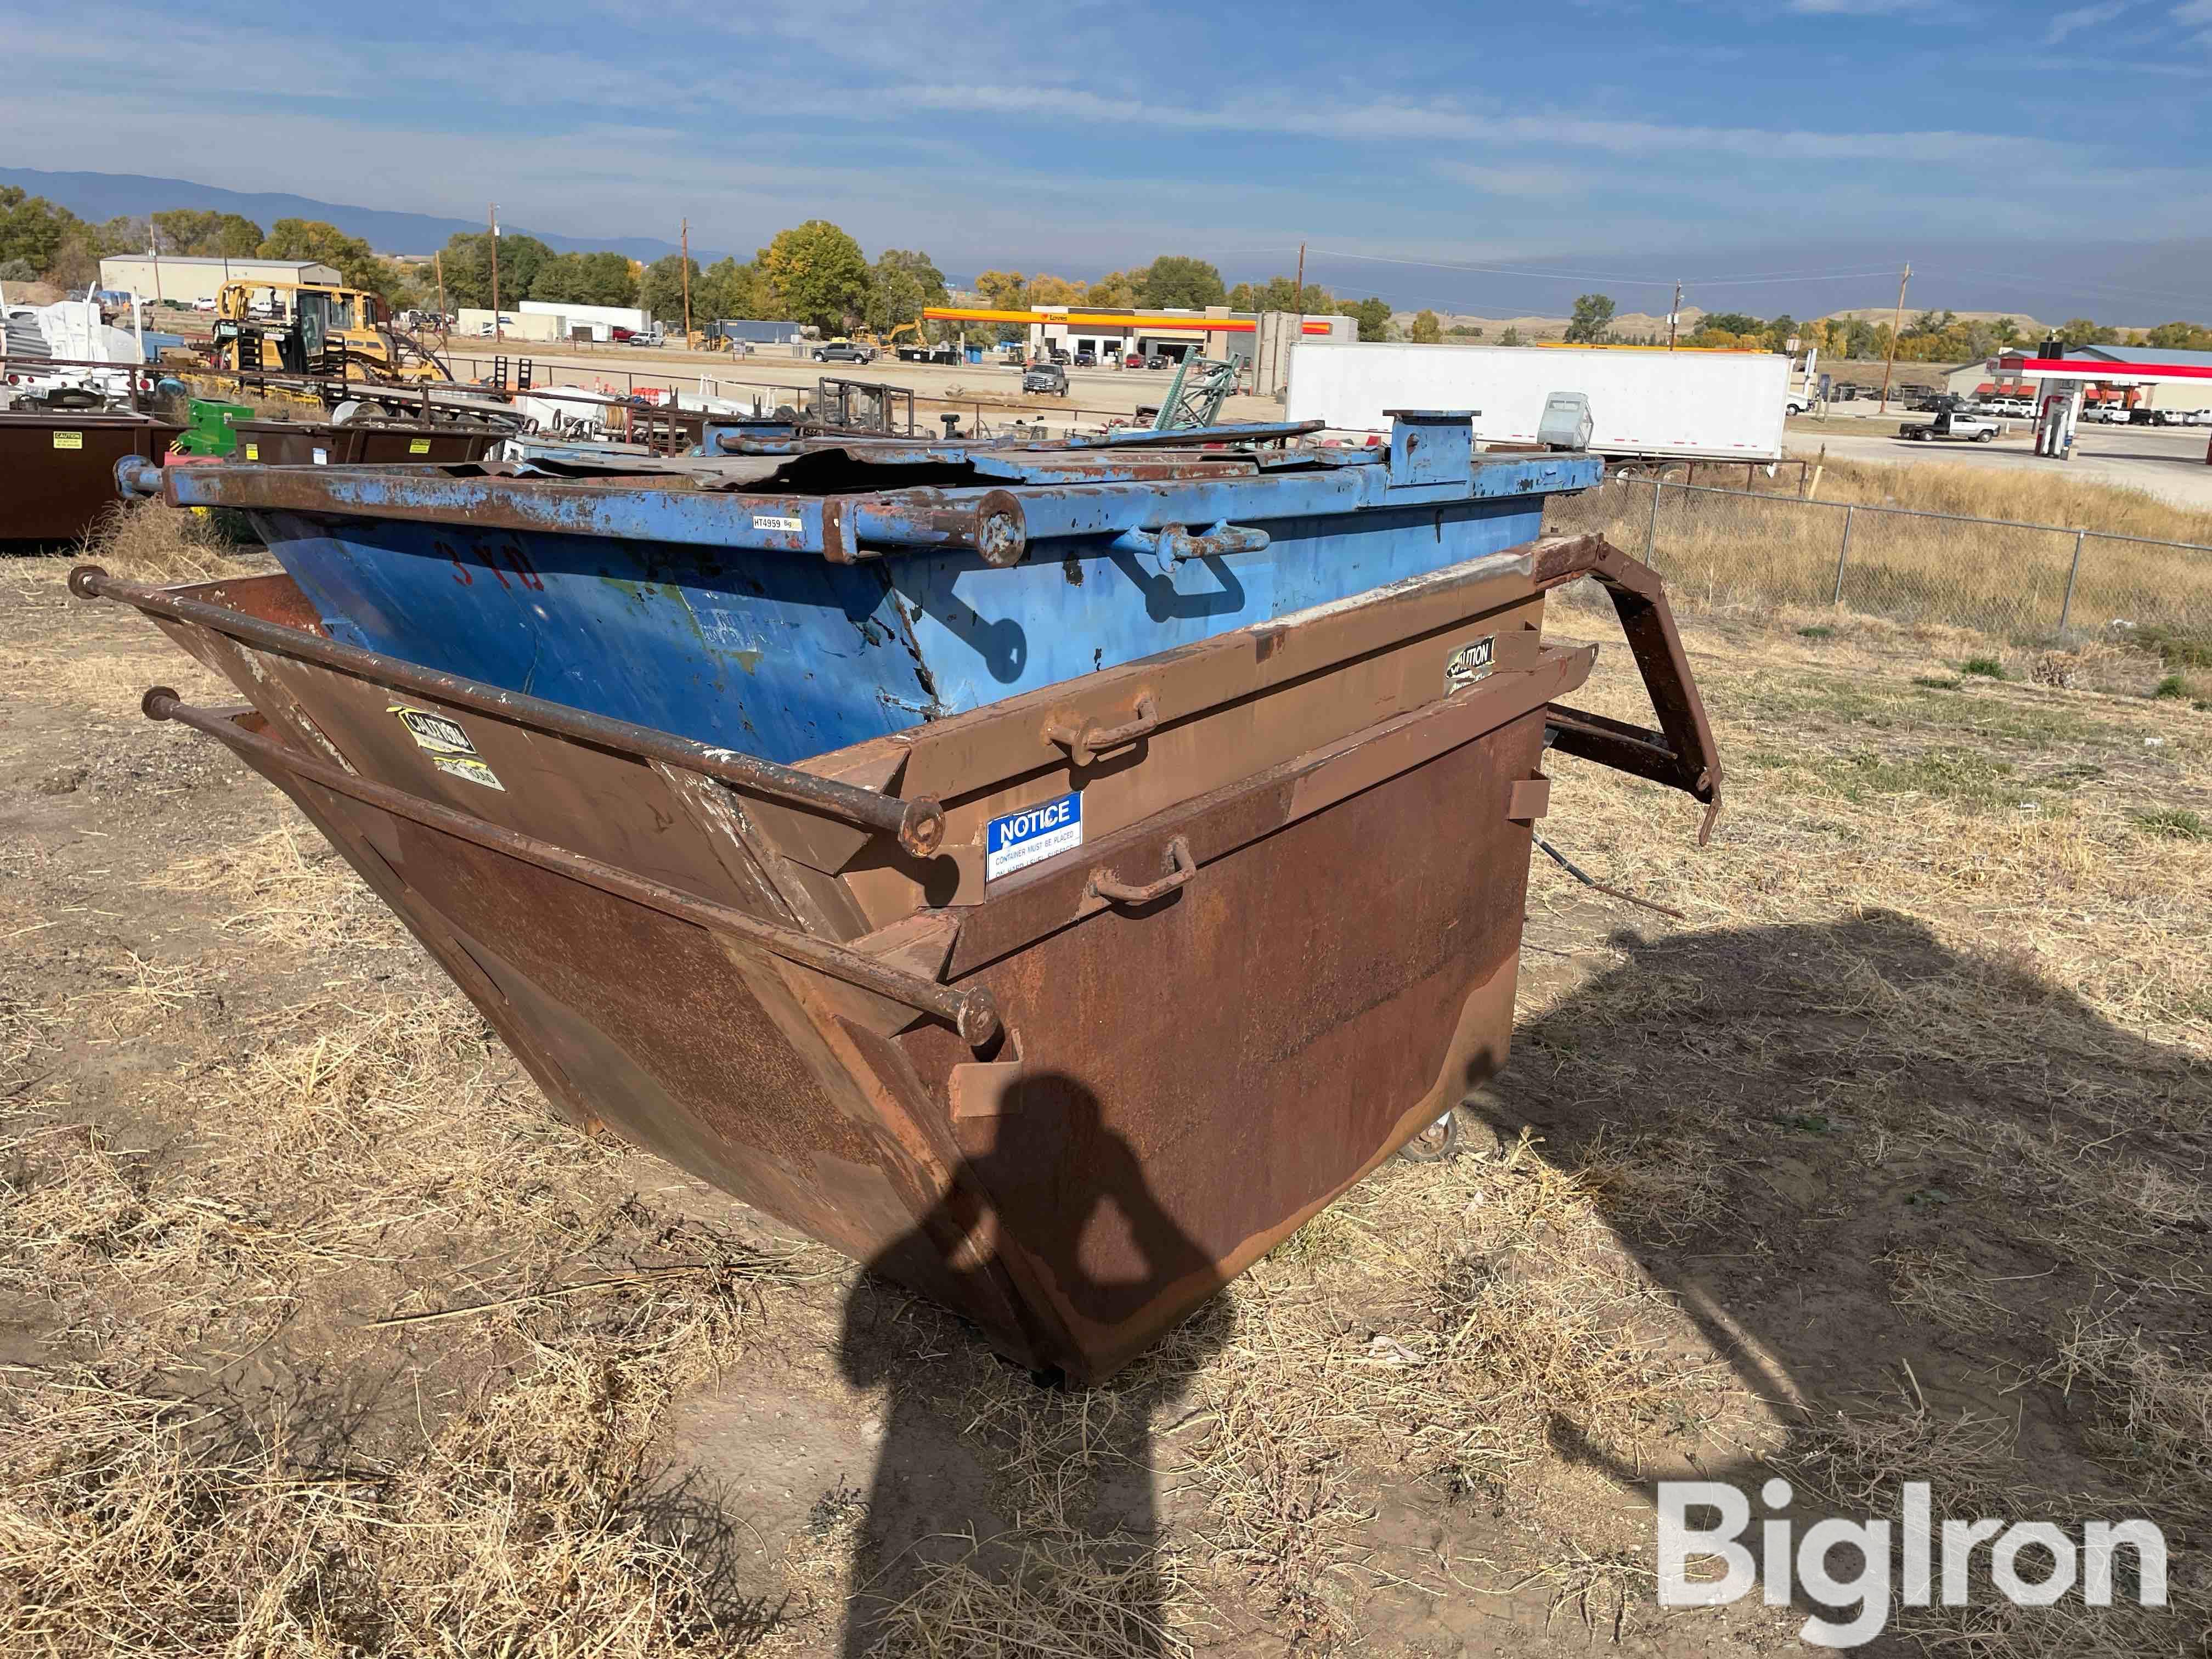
1970, 428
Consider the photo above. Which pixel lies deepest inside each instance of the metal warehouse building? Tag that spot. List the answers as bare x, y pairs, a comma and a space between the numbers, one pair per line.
190, 277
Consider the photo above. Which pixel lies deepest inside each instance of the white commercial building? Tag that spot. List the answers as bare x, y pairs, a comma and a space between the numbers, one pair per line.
189, 278
598, 322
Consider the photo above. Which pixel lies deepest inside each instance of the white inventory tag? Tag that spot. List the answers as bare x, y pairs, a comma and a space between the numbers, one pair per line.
1032, 835
777, 521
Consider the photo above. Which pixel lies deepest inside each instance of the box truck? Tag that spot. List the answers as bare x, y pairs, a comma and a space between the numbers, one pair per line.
1699, 405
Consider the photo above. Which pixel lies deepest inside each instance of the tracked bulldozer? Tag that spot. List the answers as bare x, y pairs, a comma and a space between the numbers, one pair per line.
301, 328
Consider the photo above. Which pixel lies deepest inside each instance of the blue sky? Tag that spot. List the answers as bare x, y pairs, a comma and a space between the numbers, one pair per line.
1618, 144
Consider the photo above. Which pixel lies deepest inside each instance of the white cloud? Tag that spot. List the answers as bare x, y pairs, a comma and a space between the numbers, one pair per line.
2192, 13
2082, 17
1851, 8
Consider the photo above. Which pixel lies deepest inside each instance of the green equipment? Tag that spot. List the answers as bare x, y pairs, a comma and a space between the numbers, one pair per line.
209, 427
1200, 387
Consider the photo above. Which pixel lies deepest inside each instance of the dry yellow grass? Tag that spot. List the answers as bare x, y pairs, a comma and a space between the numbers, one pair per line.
1749, 553
151, 541
1943, 941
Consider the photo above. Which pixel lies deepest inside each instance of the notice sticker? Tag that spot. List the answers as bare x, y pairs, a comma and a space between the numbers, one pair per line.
1471, 662
1032, 836
418, 446
253, 451
777, 521
69, 441
322, 457
460, 766
433, 732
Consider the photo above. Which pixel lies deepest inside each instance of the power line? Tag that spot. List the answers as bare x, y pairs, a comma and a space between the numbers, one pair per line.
1599, 276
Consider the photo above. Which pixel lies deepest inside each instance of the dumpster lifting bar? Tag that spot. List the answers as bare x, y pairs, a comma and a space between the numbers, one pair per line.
973, 1013
919, 823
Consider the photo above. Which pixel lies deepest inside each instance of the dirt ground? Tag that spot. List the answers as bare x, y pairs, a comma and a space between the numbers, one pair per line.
320, 1335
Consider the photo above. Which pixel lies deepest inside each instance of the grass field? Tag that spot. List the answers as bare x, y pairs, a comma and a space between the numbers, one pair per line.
322, 1336
1746, 552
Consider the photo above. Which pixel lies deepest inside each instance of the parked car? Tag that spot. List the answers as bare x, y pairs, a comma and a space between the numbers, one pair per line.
1796, 403
1059, 354
2113, 415
1156, 361
1134, 360
1086, 359
1049, 378
844, 351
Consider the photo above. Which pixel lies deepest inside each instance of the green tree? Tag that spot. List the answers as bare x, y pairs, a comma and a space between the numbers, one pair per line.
900, 283
2180, 336
2005, 332
204, 233
355, 261
1372, 315
32, 229
468, 269
1730, 322
2080, 331
1003, 290
1116, 291
1780, 331
816, 274
1464, 330
660, 290
1175, 281
584, 279
1512, 337
1593, 317
1283, 294
1426, 330
727, 288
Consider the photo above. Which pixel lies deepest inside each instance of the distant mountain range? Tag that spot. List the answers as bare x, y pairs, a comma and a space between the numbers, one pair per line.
98, 196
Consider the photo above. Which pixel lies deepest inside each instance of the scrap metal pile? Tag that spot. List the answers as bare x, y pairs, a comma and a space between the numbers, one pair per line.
1047, 873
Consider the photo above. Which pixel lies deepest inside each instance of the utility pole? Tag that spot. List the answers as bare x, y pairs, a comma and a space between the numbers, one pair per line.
1298, 300
492, 220
1896, 324
1672, 315
687, 282
438, 263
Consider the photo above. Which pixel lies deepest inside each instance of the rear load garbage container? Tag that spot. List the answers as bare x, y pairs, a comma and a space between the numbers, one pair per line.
1060, 1010
789, 604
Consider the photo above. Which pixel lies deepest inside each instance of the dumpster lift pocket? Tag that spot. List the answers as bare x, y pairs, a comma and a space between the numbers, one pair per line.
1682, 753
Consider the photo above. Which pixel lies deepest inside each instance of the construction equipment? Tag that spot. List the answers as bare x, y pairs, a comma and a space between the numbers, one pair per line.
309, 328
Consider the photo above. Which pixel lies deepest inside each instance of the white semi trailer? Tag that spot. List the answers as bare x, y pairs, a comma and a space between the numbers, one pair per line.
1697, 405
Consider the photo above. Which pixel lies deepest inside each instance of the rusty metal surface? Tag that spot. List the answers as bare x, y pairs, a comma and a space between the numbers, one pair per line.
1151, 1045
971, 1013
1073, 1104
59, 468
1682, 753
918, 824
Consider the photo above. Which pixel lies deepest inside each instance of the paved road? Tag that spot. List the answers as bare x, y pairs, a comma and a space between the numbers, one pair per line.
2167, 462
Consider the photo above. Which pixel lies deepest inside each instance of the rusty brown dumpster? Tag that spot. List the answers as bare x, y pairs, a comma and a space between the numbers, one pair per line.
1066, 1081
57, 467
360, 443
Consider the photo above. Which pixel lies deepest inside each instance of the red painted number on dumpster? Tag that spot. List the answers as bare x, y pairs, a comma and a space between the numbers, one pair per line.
460, 571
519, 561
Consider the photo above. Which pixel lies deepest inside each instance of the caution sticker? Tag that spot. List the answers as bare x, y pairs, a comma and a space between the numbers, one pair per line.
1471, 662
437, 732
253, 451
460, 766
418, 446
1032, 836
69, 441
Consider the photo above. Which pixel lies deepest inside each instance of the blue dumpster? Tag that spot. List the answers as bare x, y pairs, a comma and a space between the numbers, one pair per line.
797, 596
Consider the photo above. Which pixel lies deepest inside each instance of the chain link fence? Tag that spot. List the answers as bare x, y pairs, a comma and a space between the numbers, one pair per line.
2024, 582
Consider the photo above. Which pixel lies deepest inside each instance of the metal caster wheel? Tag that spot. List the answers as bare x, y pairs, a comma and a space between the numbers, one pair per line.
1439, 1141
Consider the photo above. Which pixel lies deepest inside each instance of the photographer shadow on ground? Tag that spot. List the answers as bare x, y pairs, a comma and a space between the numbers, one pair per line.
1888, 1181
993, 1482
